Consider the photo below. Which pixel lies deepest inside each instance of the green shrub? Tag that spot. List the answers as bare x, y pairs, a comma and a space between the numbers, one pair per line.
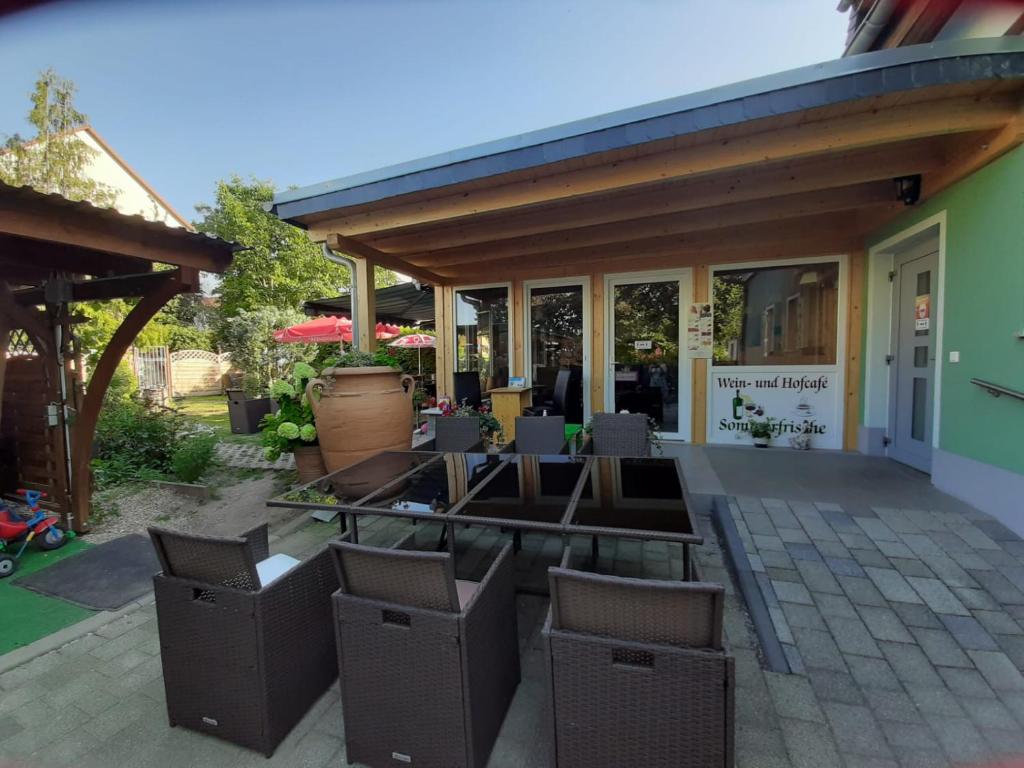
193, 456
134, 441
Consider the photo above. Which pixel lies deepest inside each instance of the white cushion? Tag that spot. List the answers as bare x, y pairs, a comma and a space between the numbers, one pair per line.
274, 567
465, 590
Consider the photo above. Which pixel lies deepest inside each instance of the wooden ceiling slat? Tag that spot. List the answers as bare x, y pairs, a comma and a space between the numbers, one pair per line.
841, 169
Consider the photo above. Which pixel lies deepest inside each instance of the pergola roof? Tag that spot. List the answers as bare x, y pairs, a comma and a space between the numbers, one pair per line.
43, 233
408, 303
798, 161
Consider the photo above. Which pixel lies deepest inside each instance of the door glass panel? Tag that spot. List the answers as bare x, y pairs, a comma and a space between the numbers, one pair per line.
646, 349
920, 357
556, 343
918, 408
924, 282
481, 334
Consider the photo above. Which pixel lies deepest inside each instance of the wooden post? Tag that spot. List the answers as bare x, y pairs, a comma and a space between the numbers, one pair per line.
367, 305
699, 386
515, 328
85, 426
854, 337
598, 368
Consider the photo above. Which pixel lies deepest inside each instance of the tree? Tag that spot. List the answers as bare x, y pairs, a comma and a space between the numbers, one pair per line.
730, 306
248, 336
55, 159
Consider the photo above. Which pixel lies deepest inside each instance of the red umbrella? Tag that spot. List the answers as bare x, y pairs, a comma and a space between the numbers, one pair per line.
326, 330
417, 341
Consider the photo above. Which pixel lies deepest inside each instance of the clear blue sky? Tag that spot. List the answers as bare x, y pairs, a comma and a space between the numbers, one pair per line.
300, 92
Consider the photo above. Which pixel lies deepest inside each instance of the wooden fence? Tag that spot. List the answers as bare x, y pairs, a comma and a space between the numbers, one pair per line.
198, 372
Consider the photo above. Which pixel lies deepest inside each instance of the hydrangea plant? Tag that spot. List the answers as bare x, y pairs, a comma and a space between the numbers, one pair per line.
293, 425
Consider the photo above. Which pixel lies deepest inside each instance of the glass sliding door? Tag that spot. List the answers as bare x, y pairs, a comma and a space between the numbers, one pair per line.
558, 339
481, 334
648, 368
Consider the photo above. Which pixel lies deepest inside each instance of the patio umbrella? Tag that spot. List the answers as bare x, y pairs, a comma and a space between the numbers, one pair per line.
417, 341
325, 330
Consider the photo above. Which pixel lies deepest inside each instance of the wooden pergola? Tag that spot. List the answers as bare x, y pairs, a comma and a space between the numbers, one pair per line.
53, 253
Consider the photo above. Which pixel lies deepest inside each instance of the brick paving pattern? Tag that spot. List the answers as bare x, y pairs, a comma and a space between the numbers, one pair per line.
905, 627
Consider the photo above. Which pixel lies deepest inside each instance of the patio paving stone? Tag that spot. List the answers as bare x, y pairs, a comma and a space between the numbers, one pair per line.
969, 633
937, 596
910, 566
940, 647
872, 557
884, 624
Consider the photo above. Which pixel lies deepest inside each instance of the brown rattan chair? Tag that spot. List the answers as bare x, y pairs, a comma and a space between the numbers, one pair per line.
246, 652
540, 435
429, 664
618, 434
637, 673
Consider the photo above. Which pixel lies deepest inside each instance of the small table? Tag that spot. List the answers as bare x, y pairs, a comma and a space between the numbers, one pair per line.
506, 404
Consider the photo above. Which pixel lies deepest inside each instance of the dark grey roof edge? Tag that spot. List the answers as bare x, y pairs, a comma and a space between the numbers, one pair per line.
854, 77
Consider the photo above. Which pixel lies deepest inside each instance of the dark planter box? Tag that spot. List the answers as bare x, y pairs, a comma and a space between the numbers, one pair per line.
245, 413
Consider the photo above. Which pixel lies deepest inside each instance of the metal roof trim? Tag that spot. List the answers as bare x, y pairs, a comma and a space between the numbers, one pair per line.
830, 82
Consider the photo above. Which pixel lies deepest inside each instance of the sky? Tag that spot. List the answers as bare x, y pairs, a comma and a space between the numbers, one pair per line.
299, 92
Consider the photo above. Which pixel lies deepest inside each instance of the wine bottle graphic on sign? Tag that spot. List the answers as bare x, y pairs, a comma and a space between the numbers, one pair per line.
737, 406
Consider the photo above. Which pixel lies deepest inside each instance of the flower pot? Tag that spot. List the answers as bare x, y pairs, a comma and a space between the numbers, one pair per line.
761, 442
309, 463
360, 412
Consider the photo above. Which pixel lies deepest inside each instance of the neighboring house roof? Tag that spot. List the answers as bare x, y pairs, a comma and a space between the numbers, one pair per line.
406, 303
135, 175
880, 24
830, 83
93, 137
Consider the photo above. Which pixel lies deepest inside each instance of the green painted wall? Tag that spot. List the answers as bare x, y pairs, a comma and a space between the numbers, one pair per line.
984, 308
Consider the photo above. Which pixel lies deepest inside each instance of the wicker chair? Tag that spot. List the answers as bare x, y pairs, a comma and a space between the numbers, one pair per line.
540, 435
637, 673
245, 639
457, 434
429, 664
618, 434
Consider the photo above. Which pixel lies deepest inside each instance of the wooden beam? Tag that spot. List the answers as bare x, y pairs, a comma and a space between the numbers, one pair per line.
974, 155
699, 385
598, 329
516, 329
827, 136
876, 193
753, 237
365, 288
84, 428
854, 336
358, 250
32, 321
120, 287
118, 235
66, 258
441, 360
786, 178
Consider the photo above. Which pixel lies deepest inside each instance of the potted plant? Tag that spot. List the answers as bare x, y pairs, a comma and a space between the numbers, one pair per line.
491, 430
292, 429
362, 405
761, 431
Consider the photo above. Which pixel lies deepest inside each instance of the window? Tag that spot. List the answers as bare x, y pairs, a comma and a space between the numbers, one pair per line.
785, 315
481, 334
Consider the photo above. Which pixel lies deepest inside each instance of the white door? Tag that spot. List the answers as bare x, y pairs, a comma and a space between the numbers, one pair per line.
648, 368
912, 366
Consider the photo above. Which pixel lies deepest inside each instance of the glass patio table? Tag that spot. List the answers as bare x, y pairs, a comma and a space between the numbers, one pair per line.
636, 498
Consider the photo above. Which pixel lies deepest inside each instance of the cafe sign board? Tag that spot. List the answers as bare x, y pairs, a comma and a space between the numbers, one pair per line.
797, 401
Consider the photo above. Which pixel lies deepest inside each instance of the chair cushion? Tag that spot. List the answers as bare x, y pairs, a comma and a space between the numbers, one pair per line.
466, 590
274, 567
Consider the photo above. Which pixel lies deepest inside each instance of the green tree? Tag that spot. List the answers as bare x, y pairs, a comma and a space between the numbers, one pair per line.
248, 336
730, 306
54, 159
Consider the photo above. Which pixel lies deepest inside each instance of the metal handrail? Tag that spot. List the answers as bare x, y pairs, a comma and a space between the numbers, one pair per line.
996, 390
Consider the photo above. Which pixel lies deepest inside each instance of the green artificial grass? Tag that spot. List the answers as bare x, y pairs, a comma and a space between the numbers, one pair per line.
212, 410
26, 616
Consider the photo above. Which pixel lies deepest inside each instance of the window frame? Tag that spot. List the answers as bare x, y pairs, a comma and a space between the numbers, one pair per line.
454, 332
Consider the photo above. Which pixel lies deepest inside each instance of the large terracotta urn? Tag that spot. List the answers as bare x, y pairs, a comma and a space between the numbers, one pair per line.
360, 412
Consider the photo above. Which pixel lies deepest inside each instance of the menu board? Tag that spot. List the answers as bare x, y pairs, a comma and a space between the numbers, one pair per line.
699, 331
797, 401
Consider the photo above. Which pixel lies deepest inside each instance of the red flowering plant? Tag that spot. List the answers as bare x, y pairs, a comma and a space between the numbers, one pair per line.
490, 427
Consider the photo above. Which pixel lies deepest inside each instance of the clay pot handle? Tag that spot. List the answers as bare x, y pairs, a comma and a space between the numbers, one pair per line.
314, 402
409, 383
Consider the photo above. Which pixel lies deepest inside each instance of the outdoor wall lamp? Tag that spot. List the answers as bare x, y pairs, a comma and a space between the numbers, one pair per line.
908, 188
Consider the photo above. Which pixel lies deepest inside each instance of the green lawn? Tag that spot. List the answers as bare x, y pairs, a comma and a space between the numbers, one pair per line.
212, 410
28, 616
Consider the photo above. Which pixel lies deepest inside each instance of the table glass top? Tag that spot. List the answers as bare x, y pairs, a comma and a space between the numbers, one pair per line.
534, 488
439, 485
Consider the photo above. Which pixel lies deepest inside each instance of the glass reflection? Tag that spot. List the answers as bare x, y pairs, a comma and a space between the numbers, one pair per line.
535, 488
637, 494
349, 485
439, 486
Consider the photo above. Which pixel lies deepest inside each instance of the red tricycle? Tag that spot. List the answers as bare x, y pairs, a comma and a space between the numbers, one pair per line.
15, 528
